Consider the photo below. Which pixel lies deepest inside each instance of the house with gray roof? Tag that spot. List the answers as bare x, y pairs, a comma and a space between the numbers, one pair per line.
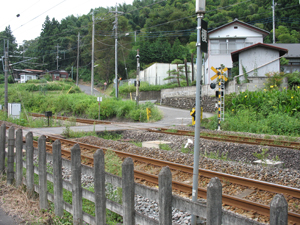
293, 55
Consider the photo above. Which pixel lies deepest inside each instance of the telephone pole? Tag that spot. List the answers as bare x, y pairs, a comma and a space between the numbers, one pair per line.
77, 59
93, 46
137, 77
116, 48
273, 9
57, 56
6, 77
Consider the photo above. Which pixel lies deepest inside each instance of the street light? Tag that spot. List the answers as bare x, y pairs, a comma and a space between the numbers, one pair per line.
200, 6
200, 11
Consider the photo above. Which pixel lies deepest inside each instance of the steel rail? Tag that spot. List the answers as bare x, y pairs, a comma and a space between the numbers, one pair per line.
202, 193
266, 186
80, 120
232, 138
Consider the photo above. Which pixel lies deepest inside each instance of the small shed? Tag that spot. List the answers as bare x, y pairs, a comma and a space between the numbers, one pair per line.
25, 77
259, 59
57, 74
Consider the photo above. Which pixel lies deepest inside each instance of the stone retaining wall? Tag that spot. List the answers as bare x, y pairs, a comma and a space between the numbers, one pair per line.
207, 102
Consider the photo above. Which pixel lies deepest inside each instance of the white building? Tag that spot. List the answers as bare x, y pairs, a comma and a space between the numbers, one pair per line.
258, 59
25, 77
156, 73
226, 39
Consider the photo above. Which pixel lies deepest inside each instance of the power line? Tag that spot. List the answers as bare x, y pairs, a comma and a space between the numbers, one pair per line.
39, 15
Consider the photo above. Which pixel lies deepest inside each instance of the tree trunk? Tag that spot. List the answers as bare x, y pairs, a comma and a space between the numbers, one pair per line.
186, 73
192, 60
178, 81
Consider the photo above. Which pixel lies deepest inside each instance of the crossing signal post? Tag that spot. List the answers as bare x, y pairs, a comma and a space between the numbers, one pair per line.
221, 93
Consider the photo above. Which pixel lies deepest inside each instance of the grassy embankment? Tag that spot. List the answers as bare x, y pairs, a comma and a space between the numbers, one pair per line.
64, 98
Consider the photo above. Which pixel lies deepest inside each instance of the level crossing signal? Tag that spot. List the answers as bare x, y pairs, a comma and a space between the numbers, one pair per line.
221, 93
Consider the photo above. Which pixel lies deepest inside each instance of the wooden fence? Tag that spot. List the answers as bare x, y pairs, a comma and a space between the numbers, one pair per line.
212, 211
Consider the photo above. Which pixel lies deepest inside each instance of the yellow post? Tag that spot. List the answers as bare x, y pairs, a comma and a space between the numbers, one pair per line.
148, 110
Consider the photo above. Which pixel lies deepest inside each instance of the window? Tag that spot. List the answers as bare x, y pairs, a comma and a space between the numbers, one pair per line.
226, 46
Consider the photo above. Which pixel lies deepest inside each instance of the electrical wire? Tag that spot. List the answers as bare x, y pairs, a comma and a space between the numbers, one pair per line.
39, 15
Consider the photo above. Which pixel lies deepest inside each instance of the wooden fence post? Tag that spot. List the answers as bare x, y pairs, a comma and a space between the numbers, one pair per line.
2, 148
128, 190
29, 164
99, 185
57, 174
278, 210
165, 196
76, 185
19, 157
42, 172
10, 155
214, 202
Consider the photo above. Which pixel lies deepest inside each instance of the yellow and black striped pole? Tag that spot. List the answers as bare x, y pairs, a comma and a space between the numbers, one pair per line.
219, 102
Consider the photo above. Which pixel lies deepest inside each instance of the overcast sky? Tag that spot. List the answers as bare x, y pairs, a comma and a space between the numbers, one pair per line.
33, 13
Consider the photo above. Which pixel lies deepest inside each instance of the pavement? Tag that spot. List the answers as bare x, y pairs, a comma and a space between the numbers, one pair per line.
171, 116
6, 219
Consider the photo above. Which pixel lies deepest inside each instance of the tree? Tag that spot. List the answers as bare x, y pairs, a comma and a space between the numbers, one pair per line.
176, 74
47, 51
7, 34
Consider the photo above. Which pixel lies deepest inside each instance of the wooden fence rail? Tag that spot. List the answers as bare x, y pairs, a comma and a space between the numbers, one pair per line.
211, 211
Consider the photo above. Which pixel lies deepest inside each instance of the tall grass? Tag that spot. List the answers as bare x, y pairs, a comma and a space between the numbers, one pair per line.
266, 111
63, 101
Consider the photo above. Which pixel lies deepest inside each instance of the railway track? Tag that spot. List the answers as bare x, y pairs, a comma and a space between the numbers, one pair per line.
79, 120
186, 188
231, 138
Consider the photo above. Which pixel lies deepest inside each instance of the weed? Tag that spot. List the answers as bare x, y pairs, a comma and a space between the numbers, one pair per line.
171, 130
185, 150
263, 155
110, 135
139, 144
165, 147
216, 155
276, 159
113, 164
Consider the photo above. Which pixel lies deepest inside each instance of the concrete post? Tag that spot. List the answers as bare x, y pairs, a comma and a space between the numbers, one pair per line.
2, 147
278, 211
128, 190
214, 202
76, 185
10, 155
165, 196
99, 185
42, 172
57, 173
19, 159
29, 164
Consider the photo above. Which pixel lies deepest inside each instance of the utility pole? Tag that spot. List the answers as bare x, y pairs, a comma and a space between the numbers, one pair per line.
93, 45
200, 11
273, 9
77, 59
137, 77
6, 77
57, 56
116, 48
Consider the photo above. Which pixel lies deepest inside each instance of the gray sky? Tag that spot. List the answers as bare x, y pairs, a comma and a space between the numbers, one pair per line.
33, 13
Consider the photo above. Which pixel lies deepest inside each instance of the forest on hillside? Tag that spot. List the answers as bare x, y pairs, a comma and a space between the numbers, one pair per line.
162, 31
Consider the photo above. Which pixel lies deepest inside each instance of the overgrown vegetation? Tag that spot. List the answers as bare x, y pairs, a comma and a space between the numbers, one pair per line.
66, 99
268, 111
